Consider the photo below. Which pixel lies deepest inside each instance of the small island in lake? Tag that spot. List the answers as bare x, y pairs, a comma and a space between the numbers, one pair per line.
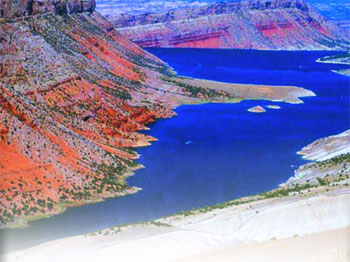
273, 107
257, 109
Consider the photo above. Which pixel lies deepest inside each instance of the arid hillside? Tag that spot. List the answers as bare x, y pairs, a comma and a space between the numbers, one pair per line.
73, 93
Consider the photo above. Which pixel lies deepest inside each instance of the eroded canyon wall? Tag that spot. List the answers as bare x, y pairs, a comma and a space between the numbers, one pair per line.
73, 95
267, 24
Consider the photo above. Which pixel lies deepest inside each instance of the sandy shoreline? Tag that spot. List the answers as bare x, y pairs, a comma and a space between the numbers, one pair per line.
293, 221
321, 247
259, 226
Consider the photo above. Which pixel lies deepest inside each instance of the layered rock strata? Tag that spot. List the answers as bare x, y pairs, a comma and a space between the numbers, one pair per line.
332, 166
267, 24
73, 94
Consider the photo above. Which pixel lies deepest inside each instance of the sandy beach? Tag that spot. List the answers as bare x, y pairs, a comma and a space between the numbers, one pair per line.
303, 228
321, 247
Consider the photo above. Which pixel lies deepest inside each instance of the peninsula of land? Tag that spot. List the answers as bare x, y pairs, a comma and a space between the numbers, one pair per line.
342, 59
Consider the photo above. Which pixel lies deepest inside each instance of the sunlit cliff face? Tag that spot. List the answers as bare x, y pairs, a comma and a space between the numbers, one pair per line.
271, 25
332, 9
73, 93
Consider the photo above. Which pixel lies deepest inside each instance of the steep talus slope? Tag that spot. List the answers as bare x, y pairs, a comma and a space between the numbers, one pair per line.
267, 24
73, 94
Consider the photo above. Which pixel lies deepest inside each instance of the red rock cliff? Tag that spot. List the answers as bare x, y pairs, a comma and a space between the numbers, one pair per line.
73, 94
267, 24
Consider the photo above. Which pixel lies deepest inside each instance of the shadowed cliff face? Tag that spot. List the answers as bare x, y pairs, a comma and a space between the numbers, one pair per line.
265, 24
73, 94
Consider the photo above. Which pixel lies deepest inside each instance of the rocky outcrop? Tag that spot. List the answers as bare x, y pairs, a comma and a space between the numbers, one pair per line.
267, 24
257, 109
332, 166
20, 8
326, 148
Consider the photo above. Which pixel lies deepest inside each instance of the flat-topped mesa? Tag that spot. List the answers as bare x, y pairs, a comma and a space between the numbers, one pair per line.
21, 8
218, 8
266, 25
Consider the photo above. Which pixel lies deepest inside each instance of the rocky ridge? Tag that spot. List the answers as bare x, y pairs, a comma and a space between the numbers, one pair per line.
267, 24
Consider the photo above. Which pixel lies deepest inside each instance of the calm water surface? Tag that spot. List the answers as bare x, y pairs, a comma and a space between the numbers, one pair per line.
216, 152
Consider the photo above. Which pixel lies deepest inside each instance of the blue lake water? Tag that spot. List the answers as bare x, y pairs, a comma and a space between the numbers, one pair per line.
213, 153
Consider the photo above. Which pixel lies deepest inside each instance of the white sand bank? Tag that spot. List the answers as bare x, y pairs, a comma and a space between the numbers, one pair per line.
329, 246
218, 233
